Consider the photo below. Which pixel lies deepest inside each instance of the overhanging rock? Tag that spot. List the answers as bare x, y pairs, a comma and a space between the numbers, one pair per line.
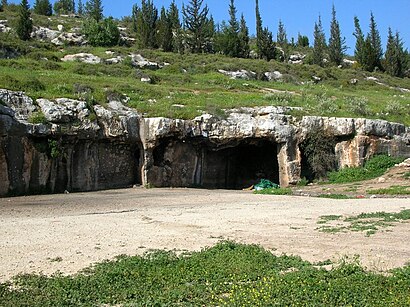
83, 148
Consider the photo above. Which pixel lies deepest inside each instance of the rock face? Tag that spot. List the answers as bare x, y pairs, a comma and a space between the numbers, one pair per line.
87, 58
82, 148
77, 150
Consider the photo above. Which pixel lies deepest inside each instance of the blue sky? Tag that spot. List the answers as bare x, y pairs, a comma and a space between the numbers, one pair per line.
300, 15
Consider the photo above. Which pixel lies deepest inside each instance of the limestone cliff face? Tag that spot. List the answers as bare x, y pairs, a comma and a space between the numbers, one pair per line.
73, 151
82, 148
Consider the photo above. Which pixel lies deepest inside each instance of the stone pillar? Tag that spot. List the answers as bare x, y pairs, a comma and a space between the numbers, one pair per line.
289, 160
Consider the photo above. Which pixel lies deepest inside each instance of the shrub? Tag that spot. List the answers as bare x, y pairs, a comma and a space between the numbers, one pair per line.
37, 118
358, 105
104, 33
318, 149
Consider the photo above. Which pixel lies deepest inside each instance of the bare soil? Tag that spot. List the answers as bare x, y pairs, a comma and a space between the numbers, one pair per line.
69, 232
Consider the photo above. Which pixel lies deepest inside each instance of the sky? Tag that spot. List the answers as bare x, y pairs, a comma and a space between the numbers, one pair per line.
299, 16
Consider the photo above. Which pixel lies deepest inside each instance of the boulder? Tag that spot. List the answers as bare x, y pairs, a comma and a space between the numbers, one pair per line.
296, 58
239, 74
3, 26
69, 38
138, 61
114, 60
18, 104
273, 76
63, 110
44, 34
82, 57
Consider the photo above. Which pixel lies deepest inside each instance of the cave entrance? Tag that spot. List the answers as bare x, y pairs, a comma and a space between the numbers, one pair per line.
240, 166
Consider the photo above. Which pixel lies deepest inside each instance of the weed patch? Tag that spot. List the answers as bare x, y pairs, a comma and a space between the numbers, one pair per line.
369, 223
228, 274
280, 191
393, 190
373, 168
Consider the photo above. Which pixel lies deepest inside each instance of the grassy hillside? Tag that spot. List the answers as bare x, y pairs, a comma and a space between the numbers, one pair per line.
191, 84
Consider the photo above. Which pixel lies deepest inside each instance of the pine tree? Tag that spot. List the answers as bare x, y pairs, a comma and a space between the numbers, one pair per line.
145, 24
303, 41
319, 44
175, 24
360, 41
395, 56
337, 45
43, 7
197, 26
376, 43
243, 38
24, 23
282, 40
281, 37
80, 10
164, 32
63, 7
230, 44
94, 9
264, 39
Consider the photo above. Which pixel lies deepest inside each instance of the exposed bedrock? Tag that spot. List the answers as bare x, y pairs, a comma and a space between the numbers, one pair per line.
50, 146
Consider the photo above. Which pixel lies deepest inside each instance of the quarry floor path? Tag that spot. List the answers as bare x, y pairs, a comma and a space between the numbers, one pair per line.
69, 232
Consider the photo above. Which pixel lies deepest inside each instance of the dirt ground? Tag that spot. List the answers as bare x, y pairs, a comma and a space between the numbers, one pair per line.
69, 232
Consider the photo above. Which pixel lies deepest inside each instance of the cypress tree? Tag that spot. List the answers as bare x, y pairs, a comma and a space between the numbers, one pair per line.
376, 43
337, 45
243, 38
197, 25
24, 23
319, 44
259, 30
360, 41
94, 10
43, 7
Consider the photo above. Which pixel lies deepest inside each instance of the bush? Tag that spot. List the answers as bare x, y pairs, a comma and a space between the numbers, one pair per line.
37, 118
104, 33
319, 152
358, 105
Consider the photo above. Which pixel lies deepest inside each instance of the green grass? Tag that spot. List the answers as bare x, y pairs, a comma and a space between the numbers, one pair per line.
369, 223
334, 196
373, 168
406, 175
393, 190
193, 80
228, 274
280, 191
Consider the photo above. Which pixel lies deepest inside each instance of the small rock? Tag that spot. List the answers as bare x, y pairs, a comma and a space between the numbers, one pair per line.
146, 79
381, 180
353, 81
66, 192
373, 196
60, 28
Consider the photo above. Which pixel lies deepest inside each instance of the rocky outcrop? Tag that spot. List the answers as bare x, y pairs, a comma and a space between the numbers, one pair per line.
79, 147
3, 26
239, 74
87, 58
58, 37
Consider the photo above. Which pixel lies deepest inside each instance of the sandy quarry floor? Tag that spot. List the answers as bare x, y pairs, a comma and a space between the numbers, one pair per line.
70, 232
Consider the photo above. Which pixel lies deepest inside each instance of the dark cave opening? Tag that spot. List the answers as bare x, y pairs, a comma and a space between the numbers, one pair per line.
199, 163
241, 166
